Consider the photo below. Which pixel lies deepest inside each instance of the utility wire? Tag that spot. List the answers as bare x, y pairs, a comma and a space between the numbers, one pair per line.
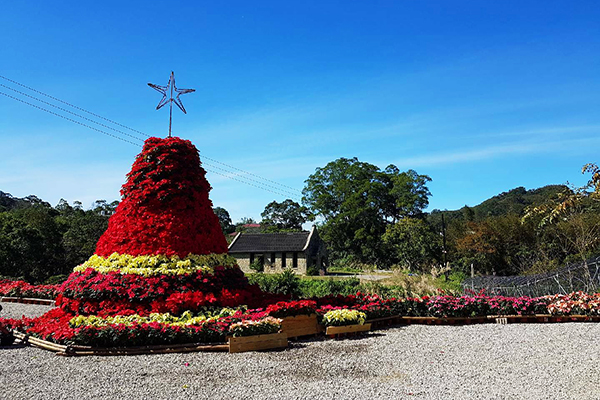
71, 112
67, 118
247, 183
130, 142
250, 173
252, 180
71, 105
279, 186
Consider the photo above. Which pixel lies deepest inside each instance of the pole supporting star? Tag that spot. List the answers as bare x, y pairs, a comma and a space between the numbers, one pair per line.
168, 92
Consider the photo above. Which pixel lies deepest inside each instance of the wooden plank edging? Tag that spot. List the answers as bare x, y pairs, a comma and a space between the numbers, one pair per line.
28, 300
258, 342
64, 350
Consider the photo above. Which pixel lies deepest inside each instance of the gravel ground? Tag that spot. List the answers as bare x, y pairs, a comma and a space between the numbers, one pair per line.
529, 361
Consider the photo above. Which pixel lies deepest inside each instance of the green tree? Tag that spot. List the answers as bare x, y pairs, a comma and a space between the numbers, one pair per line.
285, 216
356, 202
224, 220
412, 243
21, 249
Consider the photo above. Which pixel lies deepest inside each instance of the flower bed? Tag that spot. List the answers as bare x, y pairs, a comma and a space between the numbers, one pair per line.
577, 303
24, 289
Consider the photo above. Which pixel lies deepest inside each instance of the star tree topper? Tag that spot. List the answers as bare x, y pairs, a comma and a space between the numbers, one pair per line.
168, 92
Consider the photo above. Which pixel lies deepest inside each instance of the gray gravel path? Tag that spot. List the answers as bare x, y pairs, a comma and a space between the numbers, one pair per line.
530, 361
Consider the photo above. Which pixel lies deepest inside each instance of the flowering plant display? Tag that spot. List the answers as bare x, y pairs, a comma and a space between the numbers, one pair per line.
284, 309
577, 303
165, 209
186, 319
480, 305
6, 336
24, 289
262, 326
158, 268
92, 292
161, 275
157, 264
344, 316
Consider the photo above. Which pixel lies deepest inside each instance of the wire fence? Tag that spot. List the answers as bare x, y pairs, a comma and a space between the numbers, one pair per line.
584, 276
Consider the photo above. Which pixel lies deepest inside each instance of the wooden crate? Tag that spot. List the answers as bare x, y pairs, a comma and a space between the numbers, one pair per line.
257, 342
337, 330
300, 325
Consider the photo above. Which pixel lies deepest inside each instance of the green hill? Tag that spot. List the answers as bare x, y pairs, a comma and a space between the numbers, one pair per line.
514, 201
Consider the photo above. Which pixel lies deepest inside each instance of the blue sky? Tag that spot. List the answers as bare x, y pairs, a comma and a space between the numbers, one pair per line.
481, 96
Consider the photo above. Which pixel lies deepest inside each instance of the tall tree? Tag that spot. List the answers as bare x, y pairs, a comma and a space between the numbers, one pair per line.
356, 201
224, 219
412, 243
285, 216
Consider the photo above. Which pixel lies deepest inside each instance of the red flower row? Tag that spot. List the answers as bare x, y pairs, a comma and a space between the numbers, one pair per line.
24, 289
94, 285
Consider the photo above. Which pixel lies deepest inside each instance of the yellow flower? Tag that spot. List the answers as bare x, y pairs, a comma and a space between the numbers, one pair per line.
156, 265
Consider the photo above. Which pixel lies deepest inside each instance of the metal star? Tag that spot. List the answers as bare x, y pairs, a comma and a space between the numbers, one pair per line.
167, 92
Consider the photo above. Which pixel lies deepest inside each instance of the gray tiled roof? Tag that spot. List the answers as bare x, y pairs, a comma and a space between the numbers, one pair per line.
269, 242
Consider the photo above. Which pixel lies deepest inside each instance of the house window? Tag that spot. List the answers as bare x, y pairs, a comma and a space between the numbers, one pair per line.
251, 258
261, 260
295, 261
272, 260
283, 261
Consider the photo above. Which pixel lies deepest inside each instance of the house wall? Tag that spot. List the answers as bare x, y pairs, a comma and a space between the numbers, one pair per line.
243, 260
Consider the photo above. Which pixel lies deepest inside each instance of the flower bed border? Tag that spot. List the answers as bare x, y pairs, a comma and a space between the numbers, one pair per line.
345, 329
63, 350
301, 325
28, 300
257, 342
533, 318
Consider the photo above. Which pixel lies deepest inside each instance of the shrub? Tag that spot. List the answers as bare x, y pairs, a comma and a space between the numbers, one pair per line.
286, 283
328, 287
56, 279
257, 267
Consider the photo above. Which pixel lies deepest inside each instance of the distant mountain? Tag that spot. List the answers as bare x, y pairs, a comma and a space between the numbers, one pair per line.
514, 201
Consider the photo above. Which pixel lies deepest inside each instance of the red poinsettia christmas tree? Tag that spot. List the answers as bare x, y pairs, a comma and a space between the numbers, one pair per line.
164, 250
165, 208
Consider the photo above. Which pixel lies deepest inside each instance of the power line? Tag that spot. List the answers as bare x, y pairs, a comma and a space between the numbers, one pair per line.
67, 118
250, 173
127, 141
247, 183
250, 179
72, 105
72, 113
280, 187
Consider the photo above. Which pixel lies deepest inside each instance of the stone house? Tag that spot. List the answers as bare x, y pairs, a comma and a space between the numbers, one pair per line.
297, 251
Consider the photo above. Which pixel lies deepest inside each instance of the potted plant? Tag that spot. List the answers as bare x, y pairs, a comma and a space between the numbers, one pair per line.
345, 321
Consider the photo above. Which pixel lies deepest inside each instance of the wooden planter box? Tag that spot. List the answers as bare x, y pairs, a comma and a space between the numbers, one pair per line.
337, 330
300, 325
257, 342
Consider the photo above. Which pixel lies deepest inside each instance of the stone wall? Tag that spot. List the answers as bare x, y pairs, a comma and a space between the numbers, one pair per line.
243, 260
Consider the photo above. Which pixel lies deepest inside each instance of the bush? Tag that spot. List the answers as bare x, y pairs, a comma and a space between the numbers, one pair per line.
257, 267
312, 270
56, 279
325, 287
286, 283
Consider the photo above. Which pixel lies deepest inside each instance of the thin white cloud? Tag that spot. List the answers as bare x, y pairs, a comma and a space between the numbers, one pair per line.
493, 152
